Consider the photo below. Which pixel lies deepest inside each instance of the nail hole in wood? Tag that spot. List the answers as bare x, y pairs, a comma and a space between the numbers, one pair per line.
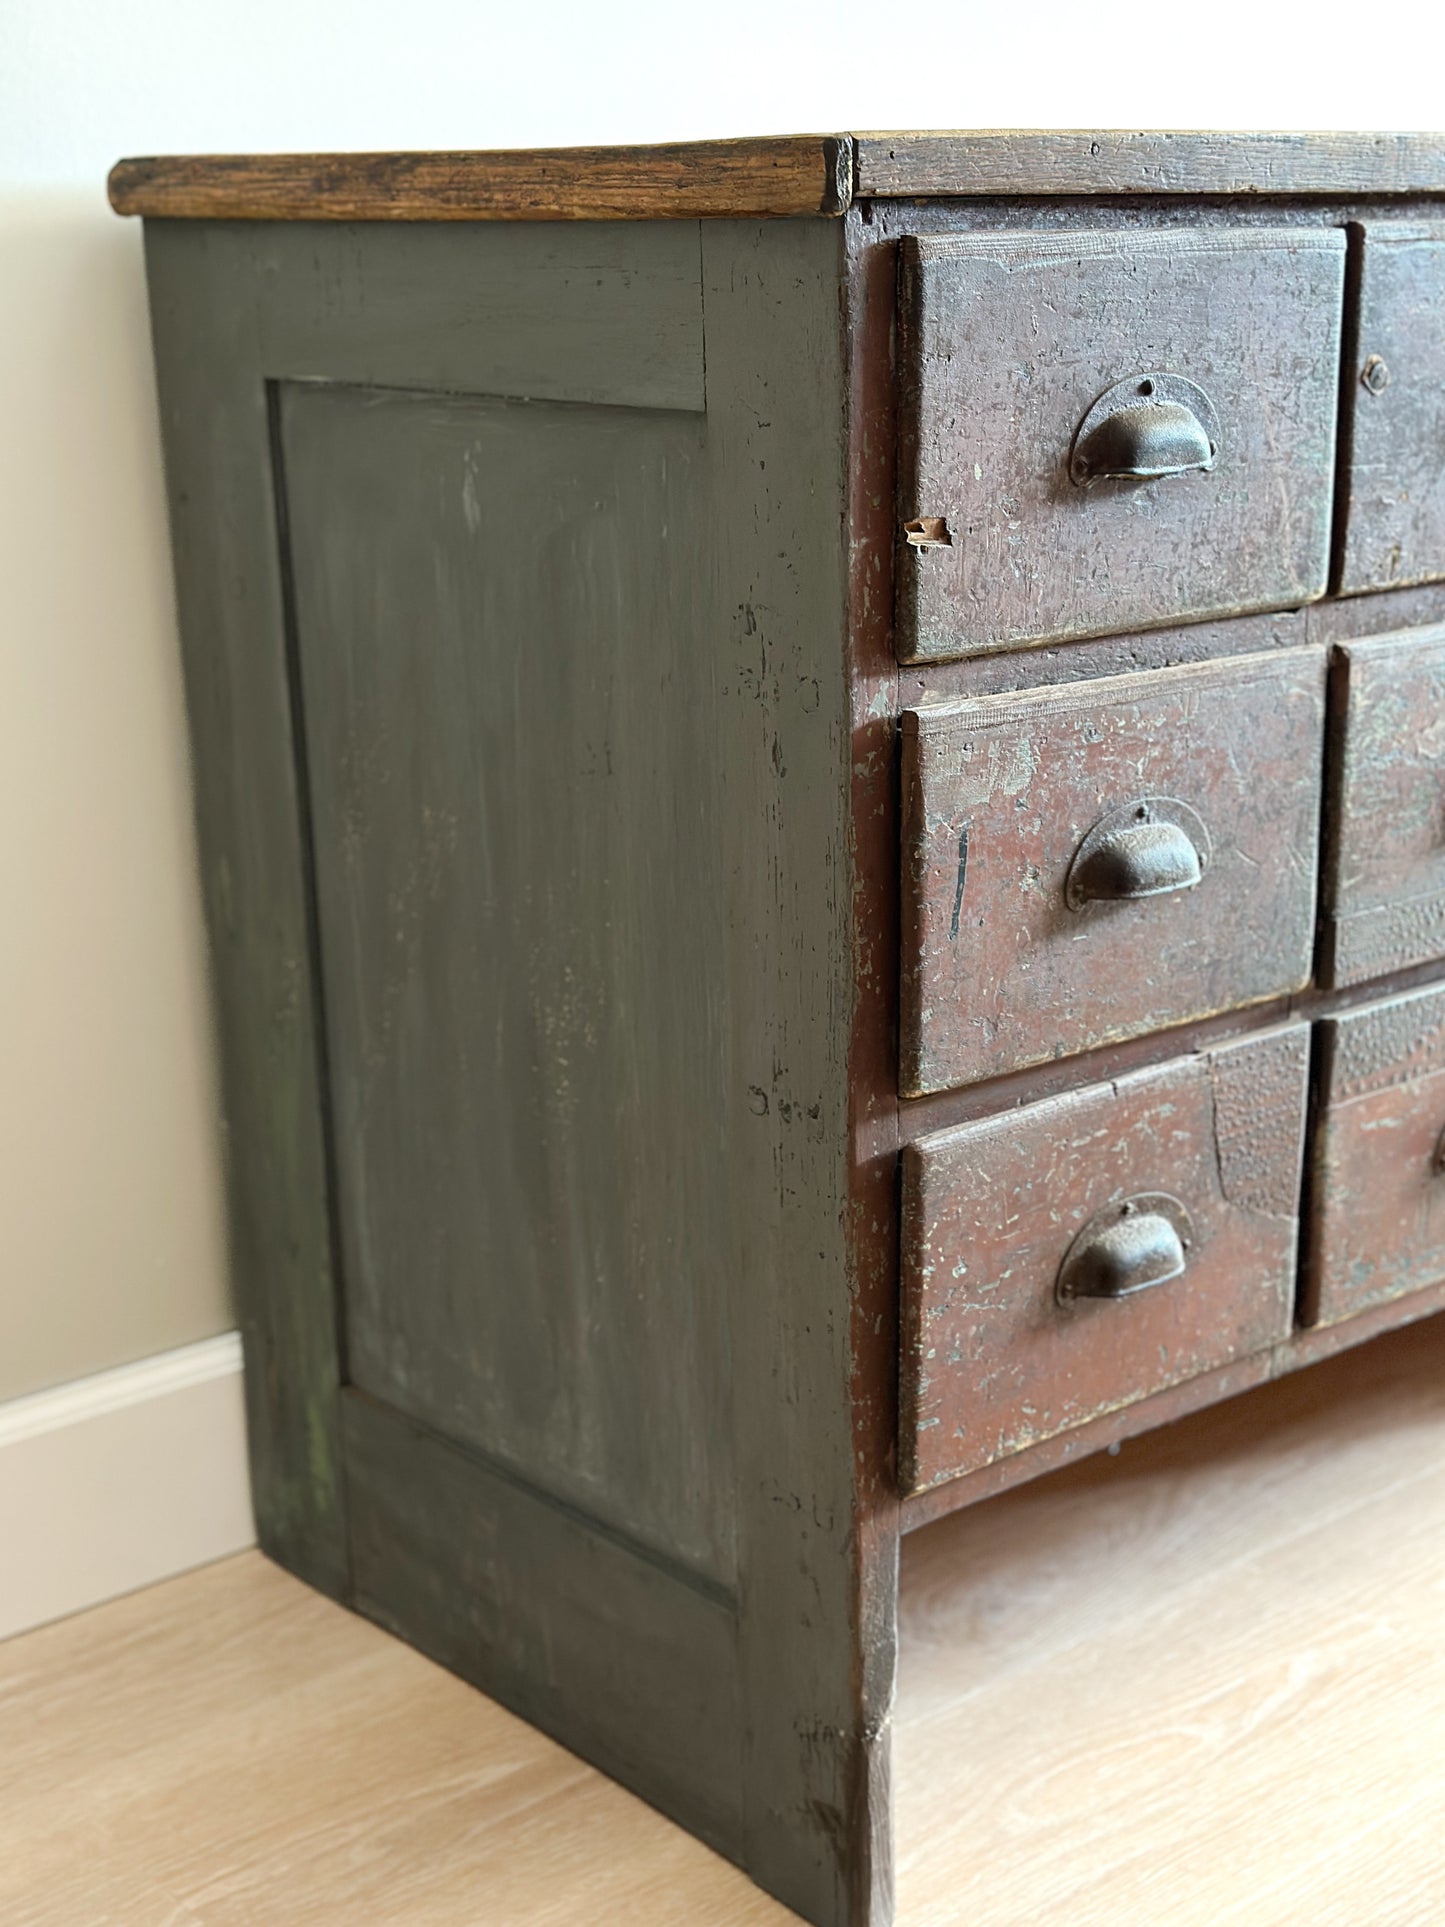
928, 532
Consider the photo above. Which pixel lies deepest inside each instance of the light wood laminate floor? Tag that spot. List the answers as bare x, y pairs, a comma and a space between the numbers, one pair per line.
1202, 1682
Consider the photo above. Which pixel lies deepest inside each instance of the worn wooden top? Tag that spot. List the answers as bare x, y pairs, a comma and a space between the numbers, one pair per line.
788, 175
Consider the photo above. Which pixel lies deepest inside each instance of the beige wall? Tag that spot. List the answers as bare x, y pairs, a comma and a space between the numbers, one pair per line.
110, 1221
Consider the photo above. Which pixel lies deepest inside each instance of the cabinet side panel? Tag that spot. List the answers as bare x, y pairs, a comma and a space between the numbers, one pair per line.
510, 689
217, 438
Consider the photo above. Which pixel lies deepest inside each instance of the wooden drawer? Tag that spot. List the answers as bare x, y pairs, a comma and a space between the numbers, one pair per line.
1044, 835
1038, 368
1384, 881
1377, 1210
1011, 1224
1395, 508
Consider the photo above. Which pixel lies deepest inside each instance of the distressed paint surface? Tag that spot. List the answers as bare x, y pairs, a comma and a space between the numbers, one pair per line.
1111, 161
1384, 881
1008, 339
873, 1053
1375, 615
579, 706
991, 1363
1122, 655
816, 1597
506, 697
255, 883
593, 314
998, 793
1377, 1187
1395, 505
521, 1596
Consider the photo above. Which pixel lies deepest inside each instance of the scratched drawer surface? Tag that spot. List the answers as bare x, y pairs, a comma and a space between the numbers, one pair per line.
1384, 875
1086, 863
1106, 431
1394, 505
1071, 1257
1378, 1165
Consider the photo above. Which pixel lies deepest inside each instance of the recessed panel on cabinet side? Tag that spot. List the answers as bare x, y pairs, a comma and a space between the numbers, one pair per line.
502, 821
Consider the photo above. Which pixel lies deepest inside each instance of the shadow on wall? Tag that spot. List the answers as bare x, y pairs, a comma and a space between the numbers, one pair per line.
111, 1243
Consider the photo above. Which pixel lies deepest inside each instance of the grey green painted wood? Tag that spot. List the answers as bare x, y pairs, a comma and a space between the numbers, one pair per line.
216, 425
628, 1663
508, 703
529, 666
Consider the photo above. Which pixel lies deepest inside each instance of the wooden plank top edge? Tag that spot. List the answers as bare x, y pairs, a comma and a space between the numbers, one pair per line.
789, 175
801, 174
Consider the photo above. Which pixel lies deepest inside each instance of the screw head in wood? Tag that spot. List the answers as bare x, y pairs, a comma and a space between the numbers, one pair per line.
1376, 374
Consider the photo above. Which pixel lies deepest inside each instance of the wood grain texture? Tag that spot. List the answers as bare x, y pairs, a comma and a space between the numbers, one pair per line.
232, 1749
1196, 1683
256, 887
1232, 1626
915, 165
990, 1361
631, 1662
801, 174
1377, 1191
999, 792
1383, 888
1394, 531
1007, 340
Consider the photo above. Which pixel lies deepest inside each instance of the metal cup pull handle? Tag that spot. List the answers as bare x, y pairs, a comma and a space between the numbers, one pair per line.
1127, 1248
1147, 848
1145, 428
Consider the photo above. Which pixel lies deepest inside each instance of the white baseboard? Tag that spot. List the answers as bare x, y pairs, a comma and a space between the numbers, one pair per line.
116, 1481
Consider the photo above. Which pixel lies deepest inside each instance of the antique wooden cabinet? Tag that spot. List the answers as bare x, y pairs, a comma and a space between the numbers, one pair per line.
821, 785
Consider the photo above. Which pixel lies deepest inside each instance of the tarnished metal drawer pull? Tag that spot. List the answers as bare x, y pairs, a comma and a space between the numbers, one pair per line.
1146, 848
1145, 428
1128, 1247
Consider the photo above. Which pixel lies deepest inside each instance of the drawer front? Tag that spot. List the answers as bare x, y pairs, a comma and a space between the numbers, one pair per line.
1378, 1181
1042, 834
1050, 382
1384, 881
1014, 1228
1395, 507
